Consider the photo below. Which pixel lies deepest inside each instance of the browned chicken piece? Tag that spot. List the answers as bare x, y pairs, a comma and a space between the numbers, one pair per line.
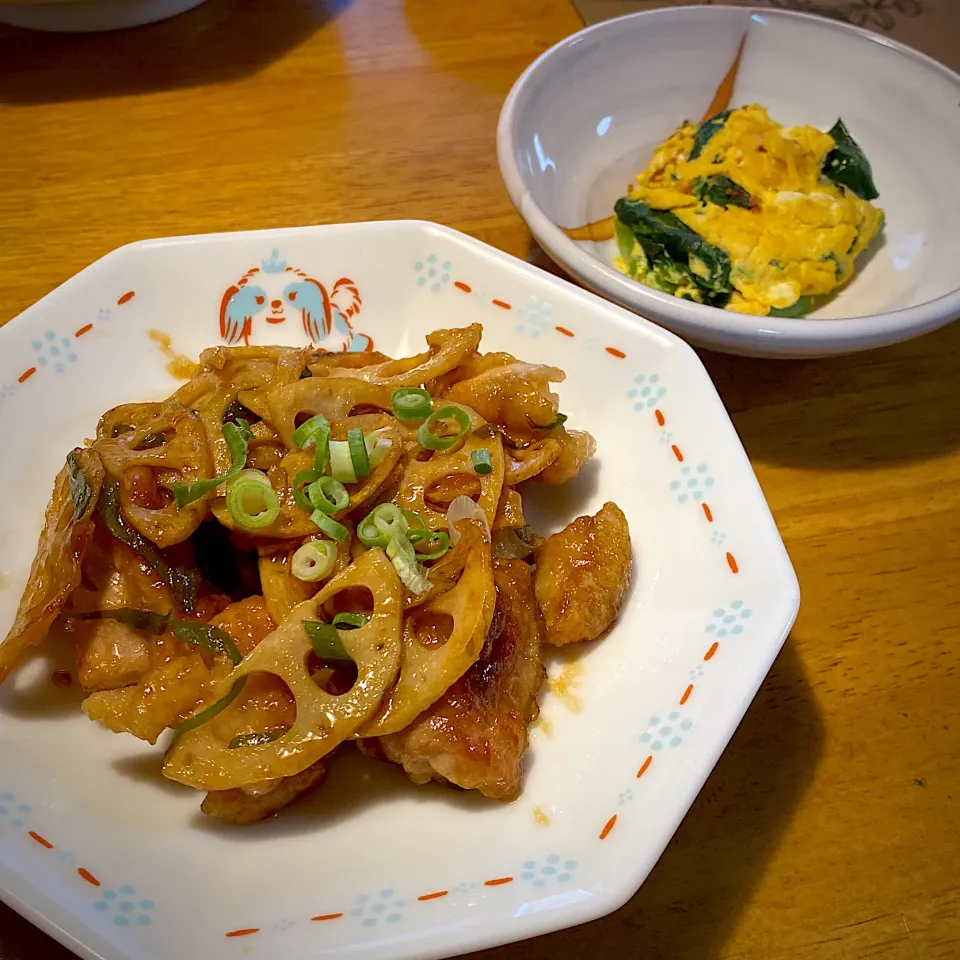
582, 576
55, 573
112, 654
247, 621
576, 448
159, 700
476, 734
109, 653
258, 802
516, 396
509, 511
169, 691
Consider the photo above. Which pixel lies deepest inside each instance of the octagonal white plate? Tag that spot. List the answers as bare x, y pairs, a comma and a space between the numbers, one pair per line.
116, 863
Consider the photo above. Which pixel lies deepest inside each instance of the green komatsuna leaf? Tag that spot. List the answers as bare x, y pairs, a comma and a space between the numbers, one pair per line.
195, 633
847, 165
722, 191
675, 252
707, 130
799, 308
838, 267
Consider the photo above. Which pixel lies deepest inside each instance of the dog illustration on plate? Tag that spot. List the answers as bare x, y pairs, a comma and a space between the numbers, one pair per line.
278, 292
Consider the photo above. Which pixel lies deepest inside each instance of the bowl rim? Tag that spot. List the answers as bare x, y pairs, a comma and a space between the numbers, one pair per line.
693, 319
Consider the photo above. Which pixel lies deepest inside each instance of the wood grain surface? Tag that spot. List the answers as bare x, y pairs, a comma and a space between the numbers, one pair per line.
830, 827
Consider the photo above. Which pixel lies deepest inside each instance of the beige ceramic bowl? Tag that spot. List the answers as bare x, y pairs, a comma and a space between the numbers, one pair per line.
585, 117
89, 16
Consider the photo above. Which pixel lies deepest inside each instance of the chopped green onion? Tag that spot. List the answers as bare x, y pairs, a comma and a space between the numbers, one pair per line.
378, 445
349, 621
404, 559
369, 535
414, 520
341, 463
237, 412
328, 495
252, 502
306, 434
411, 404
439, 537
315, 432
236, 434
558, 421
329, 526
509, 545
303, 479
389, 519
212, 639
325, 640
205, 716
255, 739
80, 491
147, 620
322, 453
314, 561
431, 441
481, 461
386, 521
358, 452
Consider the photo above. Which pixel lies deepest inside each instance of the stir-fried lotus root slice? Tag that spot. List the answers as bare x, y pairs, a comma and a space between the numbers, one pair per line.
222, 373
453, 466
472, 366
444, 573
255, 371
516, 397
447, 349
199, 759
293, 521
441, 639
282, 591
124, 419
334, 398
55, 572
323, 361
145, 468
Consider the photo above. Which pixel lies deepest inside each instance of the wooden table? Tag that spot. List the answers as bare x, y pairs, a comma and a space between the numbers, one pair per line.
830, 828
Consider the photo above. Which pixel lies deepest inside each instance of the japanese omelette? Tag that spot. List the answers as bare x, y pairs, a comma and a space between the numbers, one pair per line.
742, 213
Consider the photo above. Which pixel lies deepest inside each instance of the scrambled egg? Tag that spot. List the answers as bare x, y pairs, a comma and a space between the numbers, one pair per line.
775, 226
